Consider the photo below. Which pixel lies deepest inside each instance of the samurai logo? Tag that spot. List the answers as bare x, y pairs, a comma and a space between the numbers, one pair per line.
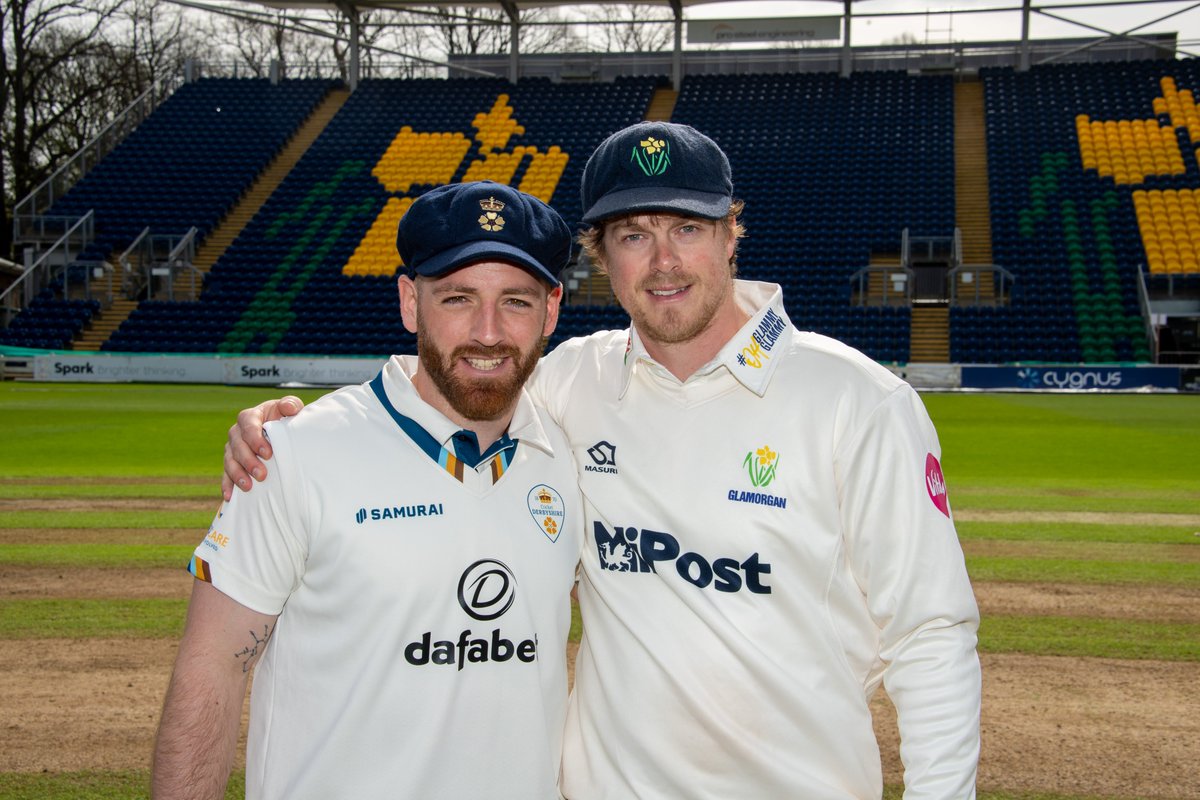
652, 155
761, 464
490, 220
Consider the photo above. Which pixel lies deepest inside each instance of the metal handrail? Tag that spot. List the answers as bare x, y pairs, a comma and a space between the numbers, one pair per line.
861, 279
1144, 307
181, 256
999, 292
43, 197
26, 280
130, 284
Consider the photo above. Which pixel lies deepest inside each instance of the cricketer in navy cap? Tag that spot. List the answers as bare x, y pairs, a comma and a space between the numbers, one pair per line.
465, 223
657, 166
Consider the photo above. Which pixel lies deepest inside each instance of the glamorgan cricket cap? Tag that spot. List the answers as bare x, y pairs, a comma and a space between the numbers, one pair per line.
465, 223
657, 166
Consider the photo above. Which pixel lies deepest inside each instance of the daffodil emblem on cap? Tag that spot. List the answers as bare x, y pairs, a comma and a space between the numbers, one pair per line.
652, 155
490, 220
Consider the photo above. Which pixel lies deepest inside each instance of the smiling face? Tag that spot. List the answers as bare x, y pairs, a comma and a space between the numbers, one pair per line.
480, 331
672, 274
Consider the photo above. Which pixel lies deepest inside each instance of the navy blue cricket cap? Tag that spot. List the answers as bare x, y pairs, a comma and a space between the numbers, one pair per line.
657, 166
459, 224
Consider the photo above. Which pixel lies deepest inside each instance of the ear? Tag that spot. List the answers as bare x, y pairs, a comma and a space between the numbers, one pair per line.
553, 301
730, 238
408, 302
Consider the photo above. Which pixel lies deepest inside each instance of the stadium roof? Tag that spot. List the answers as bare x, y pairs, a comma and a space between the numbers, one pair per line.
880, 8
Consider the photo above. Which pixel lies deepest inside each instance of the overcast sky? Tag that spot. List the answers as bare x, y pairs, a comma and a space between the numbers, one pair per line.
968, 27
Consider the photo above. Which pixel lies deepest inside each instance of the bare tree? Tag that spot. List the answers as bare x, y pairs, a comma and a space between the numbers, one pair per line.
47, 45
631, 29
465, 30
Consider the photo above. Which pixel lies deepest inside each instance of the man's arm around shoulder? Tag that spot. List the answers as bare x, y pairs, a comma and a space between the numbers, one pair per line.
197, 735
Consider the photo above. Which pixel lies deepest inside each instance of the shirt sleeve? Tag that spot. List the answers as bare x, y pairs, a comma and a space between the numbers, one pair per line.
256, 549
905, 554
550, 383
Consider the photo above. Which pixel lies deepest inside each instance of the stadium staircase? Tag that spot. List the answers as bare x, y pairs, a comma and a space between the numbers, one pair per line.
236, 220
972, 216
930, 337
97, 332
662, 105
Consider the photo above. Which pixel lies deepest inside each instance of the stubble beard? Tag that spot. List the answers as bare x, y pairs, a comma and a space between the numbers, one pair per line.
481, 399
673, 326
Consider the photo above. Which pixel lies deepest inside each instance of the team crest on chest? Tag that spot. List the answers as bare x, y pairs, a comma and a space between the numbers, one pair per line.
548, 510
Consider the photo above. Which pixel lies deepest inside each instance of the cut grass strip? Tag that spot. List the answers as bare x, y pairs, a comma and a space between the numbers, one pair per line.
1151, 503
1056, 570
96, 555
1076, 532
1084, 551
135, 786
148, 618
1135, 442
1084, 637
198, 520
119, 429
126, 489
132, 785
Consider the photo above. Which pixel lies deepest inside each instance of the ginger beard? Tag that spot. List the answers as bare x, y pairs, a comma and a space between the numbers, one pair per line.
483, 398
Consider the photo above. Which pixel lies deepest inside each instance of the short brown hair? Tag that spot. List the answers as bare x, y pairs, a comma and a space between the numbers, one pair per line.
592, 238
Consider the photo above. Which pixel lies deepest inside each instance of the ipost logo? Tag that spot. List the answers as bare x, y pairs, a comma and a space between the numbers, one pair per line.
632, 550
486, 590
604, 458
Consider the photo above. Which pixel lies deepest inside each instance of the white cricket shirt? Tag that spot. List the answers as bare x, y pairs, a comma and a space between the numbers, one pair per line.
766, 543
423, 605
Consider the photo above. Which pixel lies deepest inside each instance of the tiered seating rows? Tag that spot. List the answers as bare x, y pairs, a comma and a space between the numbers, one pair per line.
831, 169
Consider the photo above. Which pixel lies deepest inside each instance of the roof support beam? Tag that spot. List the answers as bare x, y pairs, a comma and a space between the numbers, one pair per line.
1023, 65
514, 38
1110, 35
847, 55
677, 51
355, 66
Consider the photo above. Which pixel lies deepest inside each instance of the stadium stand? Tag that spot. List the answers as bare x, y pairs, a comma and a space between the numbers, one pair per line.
832, 169
313, 272
184, 167
49, 322
1092, 168
1093, 188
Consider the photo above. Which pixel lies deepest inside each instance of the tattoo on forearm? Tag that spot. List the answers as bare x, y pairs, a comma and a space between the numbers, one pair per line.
246, 654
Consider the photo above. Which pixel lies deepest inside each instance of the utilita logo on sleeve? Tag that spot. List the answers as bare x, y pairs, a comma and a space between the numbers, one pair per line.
935, 484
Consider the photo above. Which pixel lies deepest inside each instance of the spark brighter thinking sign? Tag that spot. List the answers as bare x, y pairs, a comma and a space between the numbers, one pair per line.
782, 29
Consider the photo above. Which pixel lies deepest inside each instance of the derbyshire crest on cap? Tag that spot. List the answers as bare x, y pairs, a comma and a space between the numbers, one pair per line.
490, 220
652, 155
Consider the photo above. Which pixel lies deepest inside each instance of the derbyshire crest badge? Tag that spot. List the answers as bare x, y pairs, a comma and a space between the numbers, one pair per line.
490, 220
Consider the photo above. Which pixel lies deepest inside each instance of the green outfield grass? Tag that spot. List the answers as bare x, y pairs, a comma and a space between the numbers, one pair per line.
133, 785
84, 430
198, 520
96, 555
1036, 444
145, 618
1077, 532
